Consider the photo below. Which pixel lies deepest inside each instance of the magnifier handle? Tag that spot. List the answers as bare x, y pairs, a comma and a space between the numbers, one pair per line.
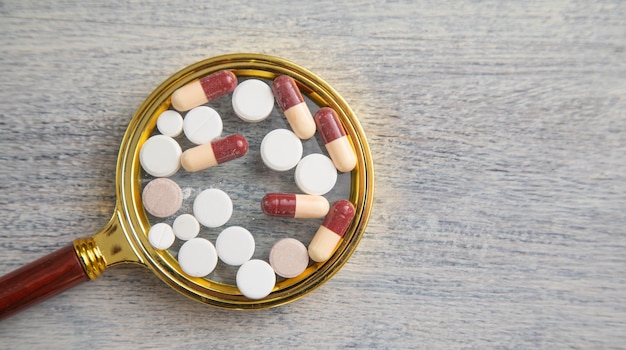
40, 280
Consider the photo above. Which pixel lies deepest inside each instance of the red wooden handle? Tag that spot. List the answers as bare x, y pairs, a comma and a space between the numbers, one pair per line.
40, 280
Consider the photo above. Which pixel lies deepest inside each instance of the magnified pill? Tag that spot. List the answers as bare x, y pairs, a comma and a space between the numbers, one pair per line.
335, 139
255, 279
204, 90
160, 156
162, 197
289, 257
186, 227
214, 153
316, 174
253, 100
289, 205
170, 123
331, 231
281, 150
202, 125
197, 257
235, 245
292, 104
161, 236
213, 207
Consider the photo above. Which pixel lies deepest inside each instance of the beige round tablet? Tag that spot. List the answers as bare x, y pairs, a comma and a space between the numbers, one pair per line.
162, 197
289, 257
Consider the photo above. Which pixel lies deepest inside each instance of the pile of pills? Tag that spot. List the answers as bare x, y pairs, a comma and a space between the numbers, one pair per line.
161, 156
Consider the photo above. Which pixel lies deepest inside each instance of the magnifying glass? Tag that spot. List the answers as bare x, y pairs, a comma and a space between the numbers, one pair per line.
124, 239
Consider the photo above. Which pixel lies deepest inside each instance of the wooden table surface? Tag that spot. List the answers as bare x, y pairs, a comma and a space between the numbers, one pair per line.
499, 139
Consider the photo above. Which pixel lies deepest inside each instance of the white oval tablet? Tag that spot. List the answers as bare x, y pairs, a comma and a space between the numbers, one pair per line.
186, 227
161, 236
202, 125
212, 207
170, 123
281, 149
253, 100
316, 174
235, 245
160, 156
197, 257
256, 279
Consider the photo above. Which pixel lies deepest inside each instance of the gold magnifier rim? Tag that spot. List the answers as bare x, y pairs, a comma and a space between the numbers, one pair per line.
134, 221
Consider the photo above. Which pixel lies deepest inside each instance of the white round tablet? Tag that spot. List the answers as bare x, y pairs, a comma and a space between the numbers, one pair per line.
170, 123
186, 227
256, 279
202, 125
253, 100
235, 245
281, 149
197, 257
161, 236
316, 174
160, 156
212, 207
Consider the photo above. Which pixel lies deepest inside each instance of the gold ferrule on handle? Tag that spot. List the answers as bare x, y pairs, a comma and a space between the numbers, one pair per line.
90, 257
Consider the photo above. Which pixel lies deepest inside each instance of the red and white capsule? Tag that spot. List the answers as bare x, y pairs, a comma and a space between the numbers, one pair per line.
288, 205
214, 153
331, 231
204, 90
292, 104
335, 139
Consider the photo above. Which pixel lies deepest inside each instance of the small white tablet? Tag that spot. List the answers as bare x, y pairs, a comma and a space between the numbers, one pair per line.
316, 174
281, 149
197, 257
161, 236
170, 123
256, 279
202, 125
186, 227
253, 100
160, 156
212, 207
235, 245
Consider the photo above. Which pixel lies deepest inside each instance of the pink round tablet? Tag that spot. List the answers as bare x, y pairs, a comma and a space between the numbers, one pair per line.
162, 197
289, 257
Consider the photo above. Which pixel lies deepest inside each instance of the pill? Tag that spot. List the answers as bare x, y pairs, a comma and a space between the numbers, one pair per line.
161, 236
160, 156
170, 123
288, 205
255, 279
186, 227
281, 149
335, 139
162, 197
212, 207
253, 100
333, 228
197, 257
235, 245
202, 125
214, 153
315, 174
204, 90
293, 106
289, 257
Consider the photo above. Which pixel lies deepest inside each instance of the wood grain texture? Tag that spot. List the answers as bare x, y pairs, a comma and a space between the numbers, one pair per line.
498, 133
40, 280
